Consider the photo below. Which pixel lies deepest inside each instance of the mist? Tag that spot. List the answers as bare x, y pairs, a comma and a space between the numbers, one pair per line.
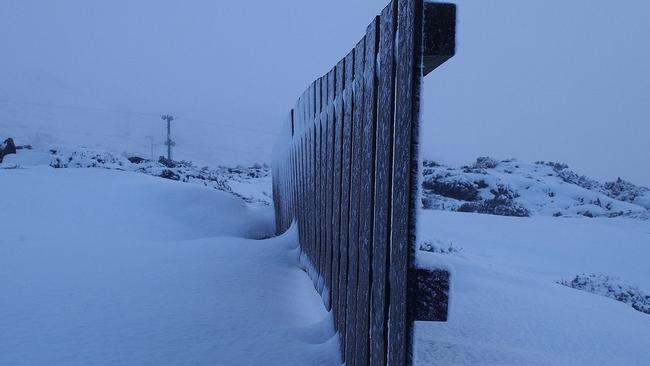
551, 80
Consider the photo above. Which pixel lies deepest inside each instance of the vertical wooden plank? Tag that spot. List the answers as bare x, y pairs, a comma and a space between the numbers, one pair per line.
291, 150
314, 176
408, 76
275, 192
355, 188
366, 194
299, 201
318, 97
383, 167
309, 136
322, 196
331, 127
276, 199
296, 185
309, 208
294, 167
336, 197
317, 187
297, 144
305, 234
312, 173
345, 196
303, 180
304, 206
301, 198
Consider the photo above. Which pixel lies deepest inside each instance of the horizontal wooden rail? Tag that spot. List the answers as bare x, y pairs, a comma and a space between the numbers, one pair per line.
345, 171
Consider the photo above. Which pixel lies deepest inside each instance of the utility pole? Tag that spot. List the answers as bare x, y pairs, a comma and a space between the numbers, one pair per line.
169, 142
150, 138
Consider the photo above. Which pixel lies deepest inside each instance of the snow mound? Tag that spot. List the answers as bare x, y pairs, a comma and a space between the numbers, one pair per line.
109, 267
506, 307
251, 183
611, 287
514, 188
438, 246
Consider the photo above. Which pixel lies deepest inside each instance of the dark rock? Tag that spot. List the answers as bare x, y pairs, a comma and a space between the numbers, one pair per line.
481, 184
498, 205
485, 162
168, 174
167, 162
586, 214
6, 148
456, 189
137, 160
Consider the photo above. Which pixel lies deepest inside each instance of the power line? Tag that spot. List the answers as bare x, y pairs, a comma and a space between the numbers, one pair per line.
83, 108
140, 113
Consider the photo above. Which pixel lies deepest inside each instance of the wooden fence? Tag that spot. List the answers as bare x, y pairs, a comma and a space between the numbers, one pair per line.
345, 171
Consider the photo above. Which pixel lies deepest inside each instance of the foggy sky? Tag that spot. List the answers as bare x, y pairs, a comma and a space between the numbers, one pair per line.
537, 80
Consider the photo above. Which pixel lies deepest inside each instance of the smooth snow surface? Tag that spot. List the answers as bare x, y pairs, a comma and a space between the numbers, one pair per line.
102, 267
507, 308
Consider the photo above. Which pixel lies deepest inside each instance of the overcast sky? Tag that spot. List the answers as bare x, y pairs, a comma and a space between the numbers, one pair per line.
538, 80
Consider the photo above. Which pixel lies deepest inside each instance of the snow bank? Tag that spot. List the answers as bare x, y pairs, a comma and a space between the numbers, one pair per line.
514, 188
250, 183
611, 287
507, 308
105, 267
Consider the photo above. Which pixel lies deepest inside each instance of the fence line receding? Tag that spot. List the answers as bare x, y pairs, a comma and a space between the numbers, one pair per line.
345, 171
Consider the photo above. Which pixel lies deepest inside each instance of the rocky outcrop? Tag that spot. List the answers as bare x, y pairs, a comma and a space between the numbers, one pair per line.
6, 148
515, 188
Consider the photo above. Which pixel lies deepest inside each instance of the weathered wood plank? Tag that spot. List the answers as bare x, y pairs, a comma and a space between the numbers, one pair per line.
316, 199
439, 34
309, 176
336, 206
303, 201
331, 90
323, 193
408, 79
355, 188
383, 172
366, 194
345, 195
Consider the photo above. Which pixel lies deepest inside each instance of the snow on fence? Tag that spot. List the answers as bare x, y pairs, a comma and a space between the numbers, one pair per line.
345, 171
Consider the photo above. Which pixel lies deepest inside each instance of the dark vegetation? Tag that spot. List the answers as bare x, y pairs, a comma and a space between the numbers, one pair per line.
613, 288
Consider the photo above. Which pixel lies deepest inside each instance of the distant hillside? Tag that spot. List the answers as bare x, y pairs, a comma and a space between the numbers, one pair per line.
250, 183
514, 188
505, 188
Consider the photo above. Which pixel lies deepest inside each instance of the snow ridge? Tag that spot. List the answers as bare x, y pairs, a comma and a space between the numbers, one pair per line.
233, 180
611, 287
514, 188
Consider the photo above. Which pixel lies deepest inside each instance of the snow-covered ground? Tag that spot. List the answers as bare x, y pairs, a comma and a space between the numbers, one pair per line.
251, 183
108, 267
516, 188
104, 262
507, 307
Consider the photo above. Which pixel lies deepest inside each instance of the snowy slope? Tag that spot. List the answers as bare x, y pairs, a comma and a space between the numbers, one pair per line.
515, 188
251, 183
124, 267
107, 267
507, 307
